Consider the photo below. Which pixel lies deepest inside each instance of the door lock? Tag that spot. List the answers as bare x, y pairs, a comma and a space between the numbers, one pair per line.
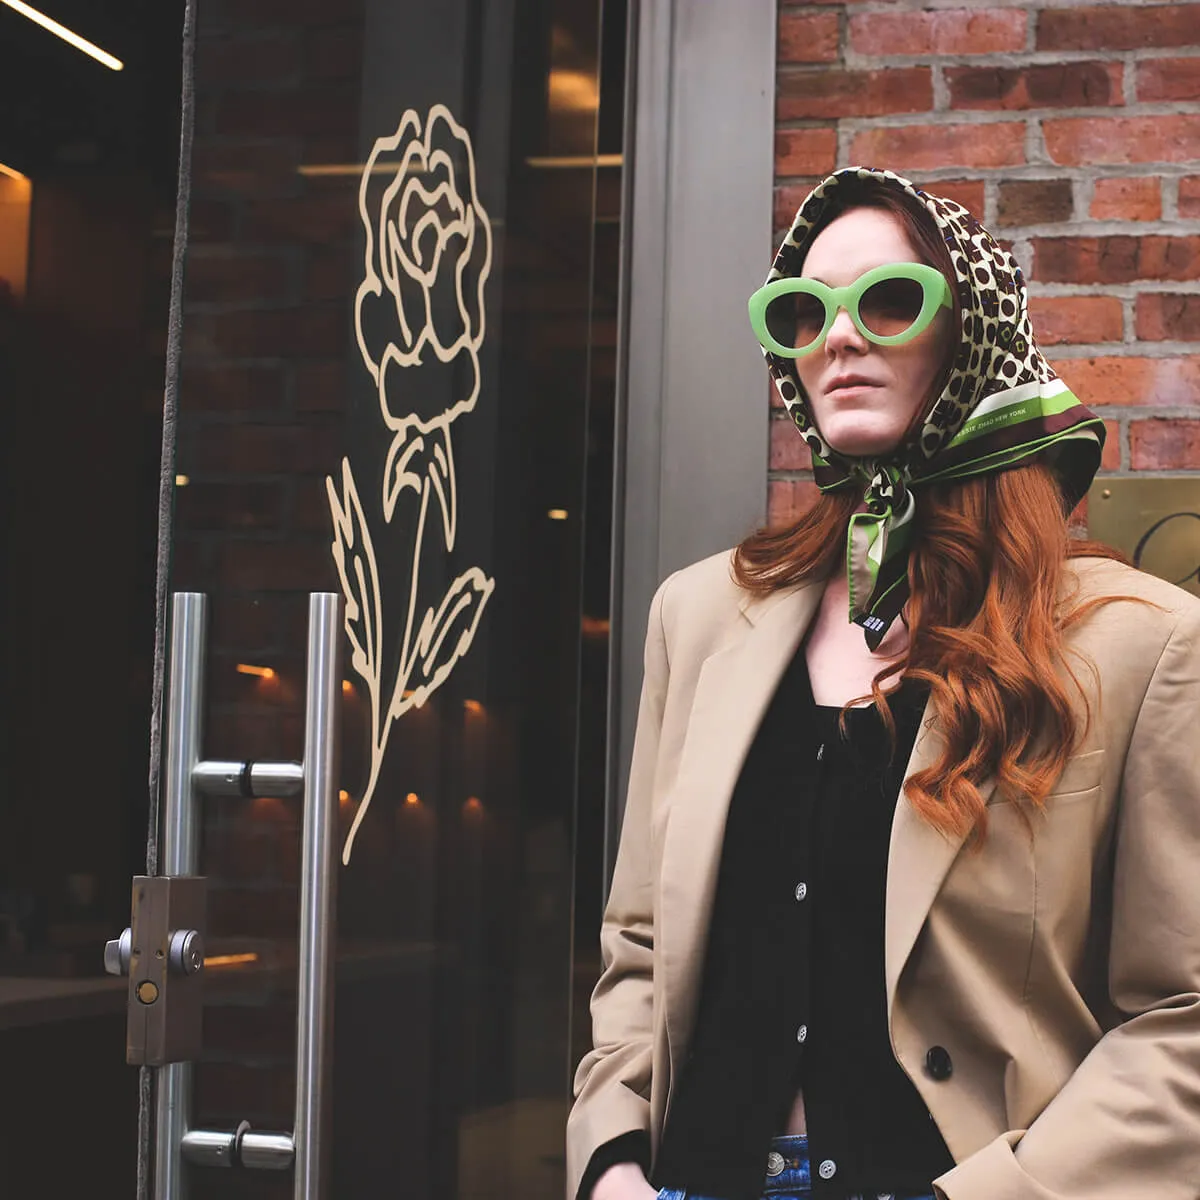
162, 953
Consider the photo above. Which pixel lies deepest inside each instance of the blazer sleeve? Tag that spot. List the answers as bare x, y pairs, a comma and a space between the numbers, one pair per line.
1127, 1124
612, 1083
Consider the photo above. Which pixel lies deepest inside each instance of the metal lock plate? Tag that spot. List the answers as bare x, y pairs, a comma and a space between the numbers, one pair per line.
166, 969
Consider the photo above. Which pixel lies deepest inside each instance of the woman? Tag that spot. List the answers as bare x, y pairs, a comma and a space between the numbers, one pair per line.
906, 904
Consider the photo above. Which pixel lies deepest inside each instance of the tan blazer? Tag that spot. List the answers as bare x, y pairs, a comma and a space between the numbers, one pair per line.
1061, 969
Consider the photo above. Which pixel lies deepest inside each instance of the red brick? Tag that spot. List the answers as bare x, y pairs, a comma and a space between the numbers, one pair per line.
805, 151
322, 218
227, 507
789, 451
951, 31
257, 14
254, 1030
815, 94
1189, 197
228, 1092
928, 147
231, 389
1117, 259
1059, 319
1034, 201
788, 498
310, 506
1060, 85
1163, 316
1118, 27
1164, 444
788, 198
1089, 141
290, 112
262, 167
1110, 460
967, 192
1112, 382
807, 37
331, 276
235, 278
320, 386
278, 333
1135, 199
1169, 78
264, 59
264, 449
276, 566
333, 54
209, 222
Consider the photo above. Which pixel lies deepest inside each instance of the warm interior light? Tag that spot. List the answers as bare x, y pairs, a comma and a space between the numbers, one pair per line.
229, 960
16, 201
182, 481
344, 796
473, 706
562, 162
594, 626
557, 514
473, 805
347, 688
72, 39
411, 799
326, 170
261, 672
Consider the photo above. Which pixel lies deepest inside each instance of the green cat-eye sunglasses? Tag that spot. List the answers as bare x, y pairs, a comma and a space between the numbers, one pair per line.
889, 305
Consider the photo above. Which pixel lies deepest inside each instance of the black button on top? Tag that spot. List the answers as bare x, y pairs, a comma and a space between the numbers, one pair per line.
939, 1063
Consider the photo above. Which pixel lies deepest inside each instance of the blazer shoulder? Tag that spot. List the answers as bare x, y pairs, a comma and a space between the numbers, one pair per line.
1107, 577
698, 603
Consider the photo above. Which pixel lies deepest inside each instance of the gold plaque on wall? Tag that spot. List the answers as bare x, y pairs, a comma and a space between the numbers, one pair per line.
1155, 520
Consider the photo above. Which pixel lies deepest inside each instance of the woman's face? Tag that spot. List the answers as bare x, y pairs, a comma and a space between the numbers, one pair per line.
862, 396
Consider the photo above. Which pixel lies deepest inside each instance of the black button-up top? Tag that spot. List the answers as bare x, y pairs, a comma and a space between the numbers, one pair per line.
792, 992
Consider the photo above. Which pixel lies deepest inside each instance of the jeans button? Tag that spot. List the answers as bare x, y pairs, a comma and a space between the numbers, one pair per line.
774, 1163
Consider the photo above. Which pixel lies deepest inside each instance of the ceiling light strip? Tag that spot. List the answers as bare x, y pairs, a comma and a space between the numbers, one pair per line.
71, 38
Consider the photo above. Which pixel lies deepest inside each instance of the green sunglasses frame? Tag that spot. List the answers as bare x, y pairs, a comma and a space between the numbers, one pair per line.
935, 295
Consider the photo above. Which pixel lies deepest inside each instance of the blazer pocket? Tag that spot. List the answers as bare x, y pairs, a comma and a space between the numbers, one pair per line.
1082, 773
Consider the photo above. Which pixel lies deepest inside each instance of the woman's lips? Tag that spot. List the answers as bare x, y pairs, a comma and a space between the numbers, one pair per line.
847, 391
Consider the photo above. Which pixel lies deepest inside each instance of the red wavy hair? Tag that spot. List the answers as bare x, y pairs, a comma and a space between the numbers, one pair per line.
986, 619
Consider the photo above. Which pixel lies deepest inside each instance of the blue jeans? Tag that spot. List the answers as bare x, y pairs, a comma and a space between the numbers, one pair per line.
788, 1177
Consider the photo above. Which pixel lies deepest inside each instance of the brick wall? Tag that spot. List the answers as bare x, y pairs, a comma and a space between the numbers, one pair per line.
1073, 131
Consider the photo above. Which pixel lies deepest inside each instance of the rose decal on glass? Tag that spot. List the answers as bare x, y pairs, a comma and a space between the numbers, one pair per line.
420, 305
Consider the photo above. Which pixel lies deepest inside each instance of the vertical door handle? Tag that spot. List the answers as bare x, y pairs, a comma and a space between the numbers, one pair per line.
307, 1146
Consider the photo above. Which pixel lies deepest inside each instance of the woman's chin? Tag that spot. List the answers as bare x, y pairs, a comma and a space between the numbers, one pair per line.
863, 439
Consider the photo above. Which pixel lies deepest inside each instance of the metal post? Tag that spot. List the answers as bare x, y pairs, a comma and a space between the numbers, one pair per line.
318, 889
179, 856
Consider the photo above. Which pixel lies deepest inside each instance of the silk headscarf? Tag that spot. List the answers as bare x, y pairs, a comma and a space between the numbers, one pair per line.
1002, 403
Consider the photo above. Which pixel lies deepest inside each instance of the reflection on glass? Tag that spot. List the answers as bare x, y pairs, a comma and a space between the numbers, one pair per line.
400, 334
87, 180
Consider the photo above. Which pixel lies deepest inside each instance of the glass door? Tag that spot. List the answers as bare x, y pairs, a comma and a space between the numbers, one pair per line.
389, 334
396, 387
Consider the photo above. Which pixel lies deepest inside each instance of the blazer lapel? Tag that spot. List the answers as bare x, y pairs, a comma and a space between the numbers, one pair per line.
919, 858
732, 693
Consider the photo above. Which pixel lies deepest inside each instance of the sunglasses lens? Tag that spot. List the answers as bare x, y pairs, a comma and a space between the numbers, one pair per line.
890, 306
795, 319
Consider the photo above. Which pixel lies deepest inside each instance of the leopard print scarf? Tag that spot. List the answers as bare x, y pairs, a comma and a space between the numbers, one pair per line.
1002, 404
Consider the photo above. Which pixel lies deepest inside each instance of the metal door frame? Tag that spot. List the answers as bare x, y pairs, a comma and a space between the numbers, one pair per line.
692, 436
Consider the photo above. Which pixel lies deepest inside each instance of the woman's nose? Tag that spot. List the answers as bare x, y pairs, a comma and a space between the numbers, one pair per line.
844, 334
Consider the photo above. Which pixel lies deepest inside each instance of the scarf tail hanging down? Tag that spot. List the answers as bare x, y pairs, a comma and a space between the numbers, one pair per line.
1002, 405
